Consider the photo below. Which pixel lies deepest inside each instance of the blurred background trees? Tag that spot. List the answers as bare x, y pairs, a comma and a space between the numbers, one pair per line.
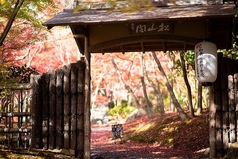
118, 80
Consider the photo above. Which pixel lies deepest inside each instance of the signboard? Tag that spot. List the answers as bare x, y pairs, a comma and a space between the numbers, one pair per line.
150, 28
117, 131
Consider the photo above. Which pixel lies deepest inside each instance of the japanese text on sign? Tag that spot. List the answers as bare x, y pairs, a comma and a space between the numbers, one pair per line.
141, 28
200, 62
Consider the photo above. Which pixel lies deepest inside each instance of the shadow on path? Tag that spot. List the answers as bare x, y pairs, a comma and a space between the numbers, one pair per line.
103, 147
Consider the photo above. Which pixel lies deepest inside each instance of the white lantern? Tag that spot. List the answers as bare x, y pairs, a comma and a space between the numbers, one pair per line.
206, 62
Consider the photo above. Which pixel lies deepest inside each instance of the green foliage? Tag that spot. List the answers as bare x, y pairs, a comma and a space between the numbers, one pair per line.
111, 104
21, 73
122, 110
138, 137
30, 12
189, 58
16, 74
231, 53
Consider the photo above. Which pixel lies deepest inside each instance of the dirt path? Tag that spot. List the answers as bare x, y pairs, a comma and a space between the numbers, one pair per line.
103, 147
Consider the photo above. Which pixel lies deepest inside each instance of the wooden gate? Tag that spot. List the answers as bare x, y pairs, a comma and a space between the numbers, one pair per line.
58, 109
224, 107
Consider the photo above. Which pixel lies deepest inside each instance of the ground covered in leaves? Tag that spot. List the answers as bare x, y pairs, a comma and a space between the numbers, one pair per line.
159, 137
144, 138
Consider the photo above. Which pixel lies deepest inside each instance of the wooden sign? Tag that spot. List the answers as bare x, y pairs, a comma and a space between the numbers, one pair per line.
150, 28
117, 131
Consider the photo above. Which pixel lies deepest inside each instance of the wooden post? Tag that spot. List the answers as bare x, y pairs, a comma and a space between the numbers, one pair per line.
236, 104
52, 115
212, 126
218, 104
231, 101
66, 90
87, 94
59, 109
73, 89
80, 109
225, 108
36, 112
45, 110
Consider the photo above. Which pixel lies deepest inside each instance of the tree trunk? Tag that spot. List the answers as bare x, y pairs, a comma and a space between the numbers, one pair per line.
199, 107
190, 102
10, 21
171, 79
182, 114
171, 106
94, 97
156, 87
124, 83
148, 103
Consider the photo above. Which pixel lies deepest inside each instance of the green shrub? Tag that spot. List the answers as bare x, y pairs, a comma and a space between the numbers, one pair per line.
122, 110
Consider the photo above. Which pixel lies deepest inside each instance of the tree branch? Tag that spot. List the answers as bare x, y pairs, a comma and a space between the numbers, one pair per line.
11, 20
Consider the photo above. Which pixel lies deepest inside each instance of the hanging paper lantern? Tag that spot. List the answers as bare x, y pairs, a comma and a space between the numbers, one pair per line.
206, 62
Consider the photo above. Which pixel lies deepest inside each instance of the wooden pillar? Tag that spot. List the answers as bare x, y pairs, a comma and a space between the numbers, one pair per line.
215, 110
80, 109
218, 104
45, 110
73, 120
225, 108
212, 127
231, 101
87, 124
52, 110
36, 111
59, 109
67, 105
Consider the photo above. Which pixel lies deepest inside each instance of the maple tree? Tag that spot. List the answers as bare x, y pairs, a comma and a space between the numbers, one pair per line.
116, 84
24, 11
23, 27
28, 42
